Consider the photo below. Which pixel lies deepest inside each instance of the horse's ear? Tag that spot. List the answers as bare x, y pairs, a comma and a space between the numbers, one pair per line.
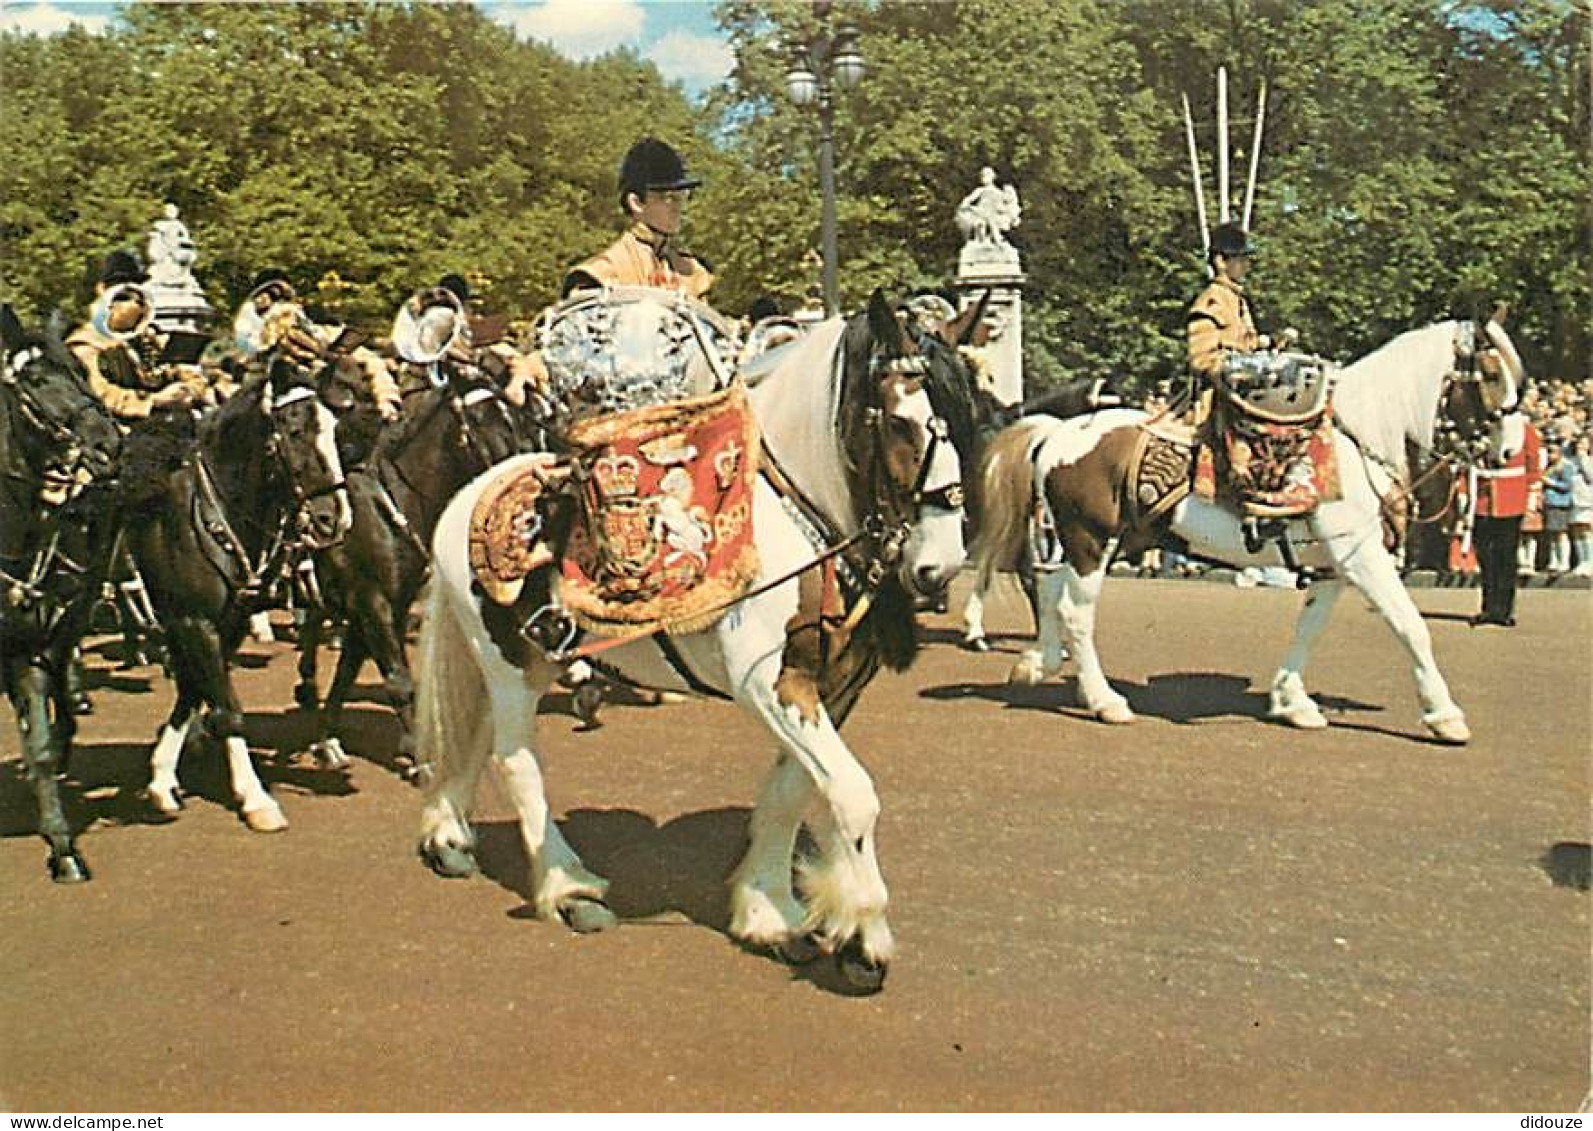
12, 336
968, 328
883, 323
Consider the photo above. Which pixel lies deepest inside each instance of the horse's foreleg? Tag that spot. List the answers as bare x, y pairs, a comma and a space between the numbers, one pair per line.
383, 636
328, 747
307, 694
1371, 570
763, 906
31, 694
1075, 607
1288, 700
973, 621
844, 889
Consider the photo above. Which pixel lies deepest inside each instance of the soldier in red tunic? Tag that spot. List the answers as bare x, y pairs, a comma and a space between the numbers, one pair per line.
1500, 492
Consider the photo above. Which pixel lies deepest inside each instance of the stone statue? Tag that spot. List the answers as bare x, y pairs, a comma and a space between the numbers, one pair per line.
171, 251
988, 212
180, 302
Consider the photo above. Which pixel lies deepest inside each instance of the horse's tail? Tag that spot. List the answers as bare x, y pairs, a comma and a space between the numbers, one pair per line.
452, 726
1007, 499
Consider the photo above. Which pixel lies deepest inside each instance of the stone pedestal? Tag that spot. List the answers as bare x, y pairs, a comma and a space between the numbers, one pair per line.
179, 300
996, 268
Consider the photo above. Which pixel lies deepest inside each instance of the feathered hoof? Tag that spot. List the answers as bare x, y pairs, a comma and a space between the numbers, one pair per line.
587, 916
1026, 673
1450, 732
166, 804
69, 868
330, 754
975, 644
1116, 714
799, 949
1301, 718
861, 973
266, 819
448, 861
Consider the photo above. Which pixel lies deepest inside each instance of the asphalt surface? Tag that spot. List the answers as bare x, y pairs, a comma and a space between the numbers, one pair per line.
1200, 911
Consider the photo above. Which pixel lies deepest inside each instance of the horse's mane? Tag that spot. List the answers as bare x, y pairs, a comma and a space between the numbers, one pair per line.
1390, 395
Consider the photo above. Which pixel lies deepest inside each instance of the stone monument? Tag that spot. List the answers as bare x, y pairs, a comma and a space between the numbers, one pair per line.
180, 302
989, 262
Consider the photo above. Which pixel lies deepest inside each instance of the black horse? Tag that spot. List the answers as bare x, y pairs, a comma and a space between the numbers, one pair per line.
370, 579
213, 538
59, 448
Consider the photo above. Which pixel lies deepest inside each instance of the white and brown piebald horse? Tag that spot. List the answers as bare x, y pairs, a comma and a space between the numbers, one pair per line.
847, 419
1438, 390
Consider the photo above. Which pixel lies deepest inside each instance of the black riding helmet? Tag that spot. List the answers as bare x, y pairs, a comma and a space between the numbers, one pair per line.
653, 164
1231, 241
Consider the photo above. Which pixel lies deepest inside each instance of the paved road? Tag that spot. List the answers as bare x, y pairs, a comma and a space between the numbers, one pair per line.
1202, 911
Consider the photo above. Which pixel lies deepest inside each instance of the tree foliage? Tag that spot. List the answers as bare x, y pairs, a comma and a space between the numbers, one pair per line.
1422, 158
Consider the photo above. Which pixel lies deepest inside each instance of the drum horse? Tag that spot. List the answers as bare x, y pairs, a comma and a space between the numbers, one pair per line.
854, 456
1439, 390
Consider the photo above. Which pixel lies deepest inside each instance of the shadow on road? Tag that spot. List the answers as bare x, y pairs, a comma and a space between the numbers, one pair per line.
1178, 697
1569, 864
101, 787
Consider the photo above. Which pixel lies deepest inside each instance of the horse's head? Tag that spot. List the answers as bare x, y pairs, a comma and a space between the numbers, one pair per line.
302, 439
901, 451
62, 435
1483, 389
487, 423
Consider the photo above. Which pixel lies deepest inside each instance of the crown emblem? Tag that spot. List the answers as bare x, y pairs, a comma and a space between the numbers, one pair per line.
617, 475
727, 462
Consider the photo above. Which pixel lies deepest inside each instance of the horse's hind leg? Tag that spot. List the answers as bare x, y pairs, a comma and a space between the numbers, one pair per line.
1070, 598
1371, 569
763, 906
973, 621
1288, 700
31, 694
561, 885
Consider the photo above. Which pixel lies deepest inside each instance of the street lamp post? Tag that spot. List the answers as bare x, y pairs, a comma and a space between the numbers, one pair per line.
828, 60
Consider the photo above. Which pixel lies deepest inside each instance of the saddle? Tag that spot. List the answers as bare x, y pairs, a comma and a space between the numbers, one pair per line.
659, 534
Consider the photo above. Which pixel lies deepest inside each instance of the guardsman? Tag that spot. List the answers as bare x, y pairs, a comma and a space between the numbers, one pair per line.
654, 186
120, 349
1500, 492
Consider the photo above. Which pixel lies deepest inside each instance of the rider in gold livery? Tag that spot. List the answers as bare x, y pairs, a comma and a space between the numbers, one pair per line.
654, 187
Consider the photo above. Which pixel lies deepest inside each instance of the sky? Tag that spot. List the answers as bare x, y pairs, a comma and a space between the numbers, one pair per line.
679, 36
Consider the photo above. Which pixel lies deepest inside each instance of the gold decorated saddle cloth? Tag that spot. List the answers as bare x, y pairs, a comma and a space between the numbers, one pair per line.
661, 535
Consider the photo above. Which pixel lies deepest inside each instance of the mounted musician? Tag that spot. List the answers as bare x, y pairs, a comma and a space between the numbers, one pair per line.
123, 354
1261, 410
273, 316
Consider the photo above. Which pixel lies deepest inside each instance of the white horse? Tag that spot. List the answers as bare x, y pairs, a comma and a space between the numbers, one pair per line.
1434, 387
850, 426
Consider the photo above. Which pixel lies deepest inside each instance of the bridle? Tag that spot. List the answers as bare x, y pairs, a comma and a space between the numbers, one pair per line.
71, 465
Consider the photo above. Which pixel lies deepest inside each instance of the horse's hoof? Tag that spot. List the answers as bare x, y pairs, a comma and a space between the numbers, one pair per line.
976, 644
1451, 732
799, 949
329, 752
419, 773
82, 704
1302, 718
588, 700
1025, 674
858, 971
69, 868
167, 804
449, 861
1116, 714
587, 916
266, 819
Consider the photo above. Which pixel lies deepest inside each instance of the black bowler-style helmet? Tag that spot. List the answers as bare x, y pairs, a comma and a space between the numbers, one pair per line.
653, 164
1230, 240
122, 267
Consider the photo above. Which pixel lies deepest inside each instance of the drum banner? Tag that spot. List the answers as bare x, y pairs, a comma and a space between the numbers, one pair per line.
664, 536
1267, 464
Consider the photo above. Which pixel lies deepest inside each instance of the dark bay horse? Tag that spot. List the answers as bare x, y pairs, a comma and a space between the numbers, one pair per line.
211, 537
373, 575
59, 449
